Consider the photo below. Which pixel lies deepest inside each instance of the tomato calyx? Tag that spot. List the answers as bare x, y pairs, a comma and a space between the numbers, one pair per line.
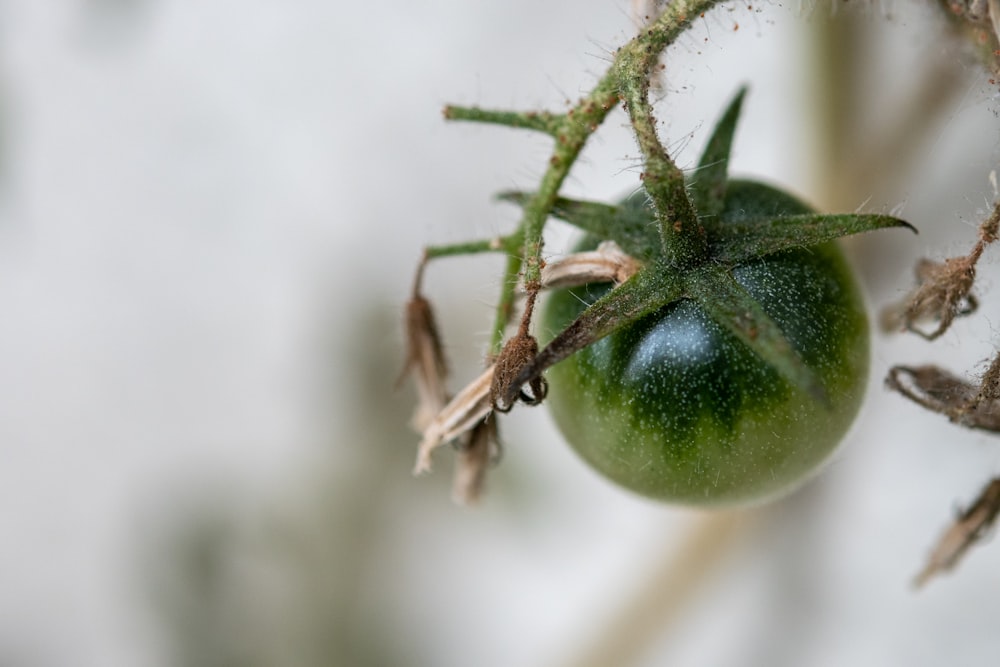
707, 279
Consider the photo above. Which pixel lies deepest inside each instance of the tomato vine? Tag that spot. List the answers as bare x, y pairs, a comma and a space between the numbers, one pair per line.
675, 239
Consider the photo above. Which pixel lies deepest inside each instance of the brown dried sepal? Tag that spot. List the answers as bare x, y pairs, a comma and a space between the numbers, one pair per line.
607, 264
968, 528
944, 289
961, 401
425, 360
942, 294
460, 416
476, 453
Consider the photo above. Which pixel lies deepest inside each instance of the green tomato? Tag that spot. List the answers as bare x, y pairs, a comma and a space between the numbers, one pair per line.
675, 407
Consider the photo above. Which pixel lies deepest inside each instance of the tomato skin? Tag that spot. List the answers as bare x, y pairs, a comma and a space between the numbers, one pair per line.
676, 408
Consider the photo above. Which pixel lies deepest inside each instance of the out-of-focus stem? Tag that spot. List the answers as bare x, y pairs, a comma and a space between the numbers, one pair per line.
835, 45
663, 594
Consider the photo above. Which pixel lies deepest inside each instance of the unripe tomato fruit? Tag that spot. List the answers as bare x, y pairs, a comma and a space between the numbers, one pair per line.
675, 407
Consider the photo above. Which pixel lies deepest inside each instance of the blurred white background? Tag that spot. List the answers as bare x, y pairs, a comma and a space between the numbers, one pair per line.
209, 216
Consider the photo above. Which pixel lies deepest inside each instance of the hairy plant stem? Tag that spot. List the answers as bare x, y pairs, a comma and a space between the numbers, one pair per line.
683, 240
496, 244
505, 308
627, 79
542, 122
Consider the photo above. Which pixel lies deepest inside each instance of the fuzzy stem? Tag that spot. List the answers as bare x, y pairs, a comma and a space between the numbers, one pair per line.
571, 133
629, 74
682, 237
505, 308
529, 120
497, 244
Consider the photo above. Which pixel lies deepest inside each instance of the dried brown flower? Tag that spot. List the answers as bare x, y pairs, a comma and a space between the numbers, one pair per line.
516, 355
425, 360
458, 417
961, 401
968, 528
944, 289
942, 294
475, 454
468, 419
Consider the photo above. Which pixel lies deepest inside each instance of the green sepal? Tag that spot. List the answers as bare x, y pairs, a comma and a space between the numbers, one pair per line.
729, 304
650, 289
742, 221
734, 243
708, 182
630, 224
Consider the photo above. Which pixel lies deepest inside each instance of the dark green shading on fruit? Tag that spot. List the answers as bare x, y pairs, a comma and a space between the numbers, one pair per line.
676, 407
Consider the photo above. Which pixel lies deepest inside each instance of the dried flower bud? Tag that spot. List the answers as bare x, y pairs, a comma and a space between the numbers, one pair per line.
968, 529
516, 355
458, 417
943, 293
425, 360
944, 289
476, 453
